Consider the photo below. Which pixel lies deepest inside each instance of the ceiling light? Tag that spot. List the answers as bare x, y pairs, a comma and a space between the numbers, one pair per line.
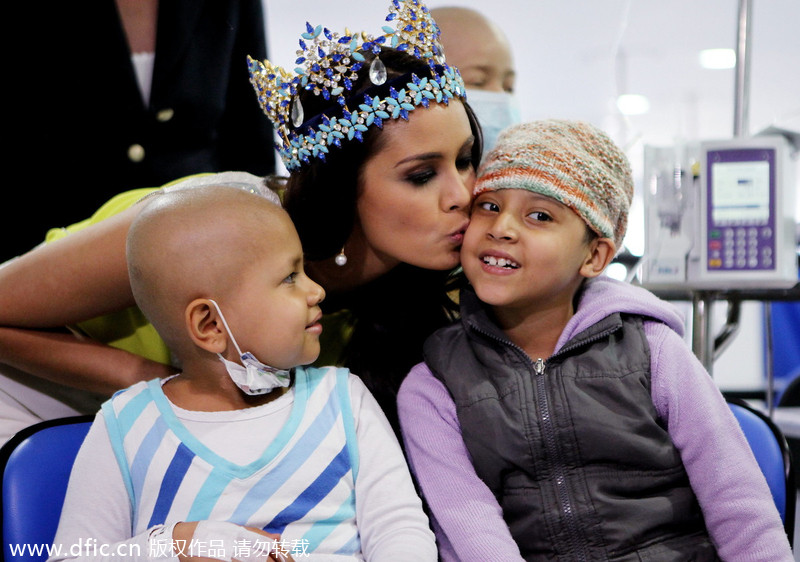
633, 104
718, 58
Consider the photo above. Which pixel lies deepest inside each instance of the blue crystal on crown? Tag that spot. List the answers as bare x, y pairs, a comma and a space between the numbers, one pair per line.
328, 65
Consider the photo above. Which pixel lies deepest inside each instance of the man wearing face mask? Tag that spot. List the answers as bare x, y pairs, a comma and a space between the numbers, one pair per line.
481, 52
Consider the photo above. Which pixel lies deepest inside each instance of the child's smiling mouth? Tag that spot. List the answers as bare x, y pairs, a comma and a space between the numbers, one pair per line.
494, 261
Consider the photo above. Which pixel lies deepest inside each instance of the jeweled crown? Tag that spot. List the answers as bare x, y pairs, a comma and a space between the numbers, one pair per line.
328, 64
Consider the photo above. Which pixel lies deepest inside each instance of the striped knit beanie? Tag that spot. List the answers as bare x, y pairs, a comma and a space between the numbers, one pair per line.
573, 162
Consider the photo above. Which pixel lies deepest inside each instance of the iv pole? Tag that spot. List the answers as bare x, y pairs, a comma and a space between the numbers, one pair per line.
704, 346
741, 128
741, 100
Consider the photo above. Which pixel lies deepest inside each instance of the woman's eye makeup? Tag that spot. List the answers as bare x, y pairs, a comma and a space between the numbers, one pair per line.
464, 161
420, 177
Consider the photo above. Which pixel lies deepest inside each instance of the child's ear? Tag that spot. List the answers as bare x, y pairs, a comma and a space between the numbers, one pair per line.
601, 253
205, 327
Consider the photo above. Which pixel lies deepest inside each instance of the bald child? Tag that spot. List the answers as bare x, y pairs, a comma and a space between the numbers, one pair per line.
246, 454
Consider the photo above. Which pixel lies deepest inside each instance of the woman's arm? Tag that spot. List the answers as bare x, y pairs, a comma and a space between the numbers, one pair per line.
76, 362
70, 280
78, 277
467, 518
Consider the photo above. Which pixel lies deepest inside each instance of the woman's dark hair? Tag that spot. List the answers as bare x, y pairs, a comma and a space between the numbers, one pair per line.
394, 314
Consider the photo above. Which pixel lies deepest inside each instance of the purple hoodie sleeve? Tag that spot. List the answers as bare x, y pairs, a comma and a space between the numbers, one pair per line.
740, 514
465, 515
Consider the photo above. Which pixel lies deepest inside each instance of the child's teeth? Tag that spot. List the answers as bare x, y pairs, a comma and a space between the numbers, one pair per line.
499, 262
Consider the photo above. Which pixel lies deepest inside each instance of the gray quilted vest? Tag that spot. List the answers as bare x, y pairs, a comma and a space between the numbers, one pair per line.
571, 447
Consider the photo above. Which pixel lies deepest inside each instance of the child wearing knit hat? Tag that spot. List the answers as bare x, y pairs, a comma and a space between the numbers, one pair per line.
563, 416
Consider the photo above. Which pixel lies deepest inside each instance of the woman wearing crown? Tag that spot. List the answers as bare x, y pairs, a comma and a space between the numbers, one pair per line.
381, 148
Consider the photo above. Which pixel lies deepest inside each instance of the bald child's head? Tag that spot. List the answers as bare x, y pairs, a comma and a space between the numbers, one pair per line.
196, 243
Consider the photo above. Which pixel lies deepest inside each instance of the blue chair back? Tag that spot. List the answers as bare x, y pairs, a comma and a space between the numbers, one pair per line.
772, 453
35, 466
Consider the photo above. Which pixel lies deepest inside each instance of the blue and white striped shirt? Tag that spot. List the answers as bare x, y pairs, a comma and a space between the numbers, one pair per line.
302, 486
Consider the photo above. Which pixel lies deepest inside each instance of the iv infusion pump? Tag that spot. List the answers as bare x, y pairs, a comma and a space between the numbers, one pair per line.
720, 215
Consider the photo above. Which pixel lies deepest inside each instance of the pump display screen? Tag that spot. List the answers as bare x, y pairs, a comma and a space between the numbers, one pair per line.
740, 212
740, 193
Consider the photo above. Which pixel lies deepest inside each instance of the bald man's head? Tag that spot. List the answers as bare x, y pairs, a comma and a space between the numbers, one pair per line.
477, 47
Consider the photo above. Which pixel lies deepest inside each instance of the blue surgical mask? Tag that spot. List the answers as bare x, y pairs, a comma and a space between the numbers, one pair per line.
252, 376
495, 111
